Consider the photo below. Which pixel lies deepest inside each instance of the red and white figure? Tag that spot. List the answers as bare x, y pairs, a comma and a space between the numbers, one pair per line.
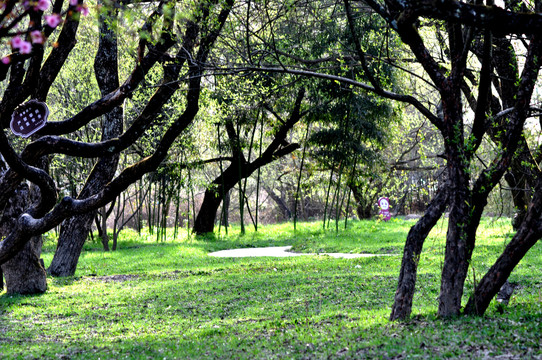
384, 204
29, 118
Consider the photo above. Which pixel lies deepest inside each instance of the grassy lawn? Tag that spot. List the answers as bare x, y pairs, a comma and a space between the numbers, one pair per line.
170, 300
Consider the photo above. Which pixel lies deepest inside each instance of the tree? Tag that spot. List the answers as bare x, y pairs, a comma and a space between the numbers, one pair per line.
350, 144
466, 190
181, 58
466, 202
242, 166
74, 231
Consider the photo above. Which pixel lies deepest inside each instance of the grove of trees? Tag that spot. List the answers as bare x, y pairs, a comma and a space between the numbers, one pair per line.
195, 108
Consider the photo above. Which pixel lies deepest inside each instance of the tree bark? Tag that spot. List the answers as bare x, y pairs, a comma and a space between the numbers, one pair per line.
74, 231
458, 249
226, 210
24, 273
105, 236
279, 201
525, 238
402, 305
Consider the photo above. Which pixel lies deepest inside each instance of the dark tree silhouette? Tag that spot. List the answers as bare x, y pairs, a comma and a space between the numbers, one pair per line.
180, 49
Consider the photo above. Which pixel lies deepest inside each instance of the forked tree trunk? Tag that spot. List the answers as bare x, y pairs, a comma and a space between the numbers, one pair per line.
205, 221
286, 213
402, 305
24, 273
364, 205
240, 168
526, 237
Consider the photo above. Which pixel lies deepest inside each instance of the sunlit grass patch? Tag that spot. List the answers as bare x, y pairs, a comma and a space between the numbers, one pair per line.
171, 300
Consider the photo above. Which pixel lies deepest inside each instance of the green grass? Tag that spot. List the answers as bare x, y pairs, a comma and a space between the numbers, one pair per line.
151, 300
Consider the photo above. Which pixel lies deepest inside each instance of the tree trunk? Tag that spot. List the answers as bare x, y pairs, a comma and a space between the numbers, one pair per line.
458, 249
226, 210
24, 273
526, 237
456, 259
402, 305
240, 168
364, 204
205, 221
74, 231
279, 201
105, 236
520, 179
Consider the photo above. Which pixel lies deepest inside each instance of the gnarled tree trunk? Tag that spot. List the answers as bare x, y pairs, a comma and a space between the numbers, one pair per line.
75, 230
24, 273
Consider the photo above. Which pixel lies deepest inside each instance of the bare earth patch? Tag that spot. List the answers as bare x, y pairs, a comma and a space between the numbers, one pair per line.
111, 278
282, 251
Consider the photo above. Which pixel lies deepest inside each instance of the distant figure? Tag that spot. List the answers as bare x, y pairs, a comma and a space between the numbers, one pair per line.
384, 204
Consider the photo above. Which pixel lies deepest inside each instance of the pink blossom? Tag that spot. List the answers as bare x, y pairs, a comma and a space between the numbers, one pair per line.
83, 10
37, 37
25, 47
74, 2
16, 42
43, 5
53, 20
6, 60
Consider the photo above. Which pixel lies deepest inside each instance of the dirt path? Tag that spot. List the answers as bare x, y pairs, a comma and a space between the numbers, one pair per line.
281, 251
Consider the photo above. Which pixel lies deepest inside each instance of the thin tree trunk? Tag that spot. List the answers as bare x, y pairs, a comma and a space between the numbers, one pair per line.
105, 236
226, 211
402, 305
297, 189
525, 238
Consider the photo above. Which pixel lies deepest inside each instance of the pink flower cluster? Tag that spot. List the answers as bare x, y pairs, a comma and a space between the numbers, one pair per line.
41, 5
25, 47
36, 36
83, 9
53, 20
